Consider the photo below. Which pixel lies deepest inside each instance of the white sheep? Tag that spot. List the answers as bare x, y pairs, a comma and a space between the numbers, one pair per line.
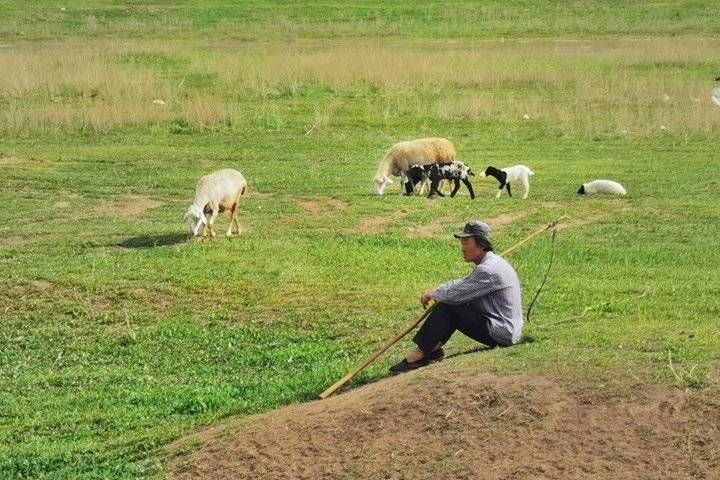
715, 93
401, 156
516, 173
215, 193
601, 187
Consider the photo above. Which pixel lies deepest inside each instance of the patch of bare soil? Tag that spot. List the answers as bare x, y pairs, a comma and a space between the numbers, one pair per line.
14, 240
428, 230
10, 161
40, 294
316, 206
379, 224
442, 423
130, 206
337, 203
496, 223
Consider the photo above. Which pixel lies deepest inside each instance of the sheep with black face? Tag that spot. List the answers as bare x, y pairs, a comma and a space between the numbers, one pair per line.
602, 187
516, 173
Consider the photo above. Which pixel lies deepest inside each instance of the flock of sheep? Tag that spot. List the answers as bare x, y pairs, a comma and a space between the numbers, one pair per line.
419, 163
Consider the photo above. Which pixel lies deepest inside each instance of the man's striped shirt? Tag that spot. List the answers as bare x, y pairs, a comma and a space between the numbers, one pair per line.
493, 290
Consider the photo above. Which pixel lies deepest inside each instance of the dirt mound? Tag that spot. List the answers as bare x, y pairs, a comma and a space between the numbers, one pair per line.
457, 424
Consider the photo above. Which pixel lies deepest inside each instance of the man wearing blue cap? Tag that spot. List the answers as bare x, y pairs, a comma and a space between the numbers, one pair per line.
485, 305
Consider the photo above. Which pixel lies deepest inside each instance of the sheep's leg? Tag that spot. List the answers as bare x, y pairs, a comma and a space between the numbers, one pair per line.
211, 222
502, 185
439, 188
409, 186
456, 187
434, 188
405, 183
423, 187
232, 220
236, 220
469, 187
228, 234
526, 184
508, 189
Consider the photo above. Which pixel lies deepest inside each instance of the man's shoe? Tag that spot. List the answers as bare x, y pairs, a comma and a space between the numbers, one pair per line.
435, 356
405, 366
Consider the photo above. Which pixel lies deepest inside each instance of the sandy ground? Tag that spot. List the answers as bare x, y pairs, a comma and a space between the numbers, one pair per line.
449, 423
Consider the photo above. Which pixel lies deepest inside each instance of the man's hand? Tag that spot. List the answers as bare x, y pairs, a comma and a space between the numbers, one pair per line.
426, 297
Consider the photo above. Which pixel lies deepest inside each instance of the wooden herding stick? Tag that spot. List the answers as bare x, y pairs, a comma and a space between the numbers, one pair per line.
335, 386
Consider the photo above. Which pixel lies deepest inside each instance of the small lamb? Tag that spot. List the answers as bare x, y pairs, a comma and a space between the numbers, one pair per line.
602, 187
456, 172
215, 193
506, 175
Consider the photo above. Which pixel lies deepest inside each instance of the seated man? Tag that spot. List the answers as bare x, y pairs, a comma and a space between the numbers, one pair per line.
485, 305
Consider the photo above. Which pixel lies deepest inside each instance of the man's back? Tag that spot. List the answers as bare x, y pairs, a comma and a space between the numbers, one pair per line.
493, 290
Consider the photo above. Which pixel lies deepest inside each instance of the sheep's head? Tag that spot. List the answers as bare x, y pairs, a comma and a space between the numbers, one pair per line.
194, 219
460, 170
380, 183
416, 173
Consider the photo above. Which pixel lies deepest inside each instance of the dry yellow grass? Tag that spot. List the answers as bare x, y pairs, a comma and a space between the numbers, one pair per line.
632, 86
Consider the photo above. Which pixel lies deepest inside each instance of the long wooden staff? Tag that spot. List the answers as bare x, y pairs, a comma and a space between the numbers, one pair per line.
335, 386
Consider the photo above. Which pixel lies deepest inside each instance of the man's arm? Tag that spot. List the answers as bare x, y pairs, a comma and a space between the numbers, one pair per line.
456, 292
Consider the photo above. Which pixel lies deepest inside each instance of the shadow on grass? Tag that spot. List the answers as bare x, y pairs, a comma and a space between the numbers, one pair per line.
479, 348
484, 348
149, 241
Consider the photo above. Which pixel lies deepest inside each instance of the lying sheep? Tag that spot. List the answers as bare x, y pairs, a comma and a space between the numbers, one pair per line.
401, 156
456, 172
506, 175
715, 93
215, 193
602, 187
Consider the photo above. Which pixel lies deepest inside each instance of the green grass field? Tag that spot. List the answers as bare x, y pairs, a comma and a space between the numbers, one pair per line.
118, 335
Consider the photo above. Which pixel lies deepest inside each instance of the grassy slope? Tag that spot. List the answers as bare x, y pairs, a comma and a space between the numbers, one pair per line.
111, 347
260, 19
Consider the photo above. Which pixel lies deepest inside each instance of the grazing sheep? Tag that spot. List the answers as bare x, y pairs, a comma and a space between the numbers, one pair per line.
506, 175
601, 187
456, 172
401, 156
215, 193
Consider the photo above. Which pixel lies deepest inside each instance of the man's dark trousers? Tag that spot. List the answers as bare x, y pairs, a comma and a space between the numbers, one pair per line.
445, 319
